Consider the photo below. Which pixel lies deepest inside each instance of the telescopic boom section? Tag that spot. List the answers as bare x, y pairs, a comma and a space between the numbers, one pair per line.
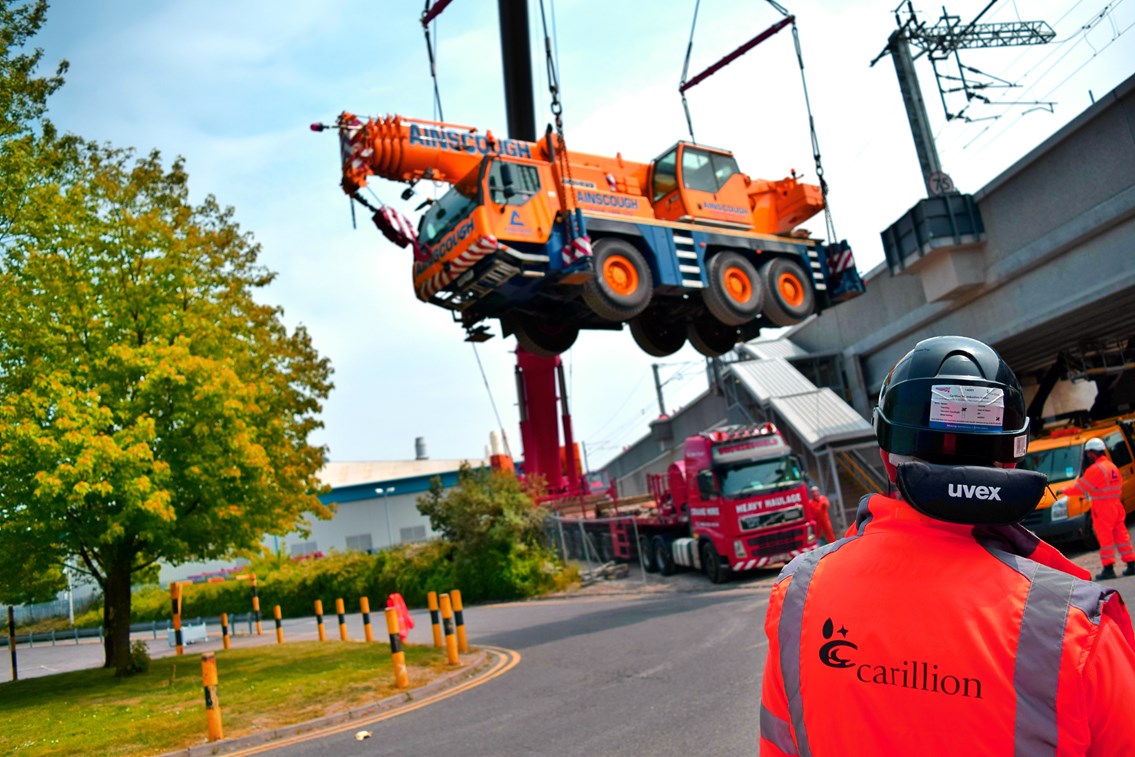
409, 149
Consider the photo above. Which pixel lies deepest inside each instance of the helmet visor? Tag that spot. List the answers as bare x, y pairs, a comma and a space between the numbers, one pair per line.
953, 421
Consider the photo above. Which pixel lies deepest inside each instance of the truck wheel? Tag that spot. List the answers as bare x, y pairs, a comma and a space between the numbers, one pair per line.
791, 297
734, 294
544, 337
622, 285
647, 554
711, 337
656, 335
711, 564
663, 556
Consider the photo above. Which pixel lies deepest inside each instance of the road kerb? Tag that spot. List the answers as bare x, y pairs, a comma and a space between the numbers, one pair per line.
474, 665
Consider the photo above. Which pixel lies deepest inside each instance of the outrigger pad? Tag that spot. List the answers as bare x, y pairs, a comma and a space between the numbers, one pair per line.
970, 494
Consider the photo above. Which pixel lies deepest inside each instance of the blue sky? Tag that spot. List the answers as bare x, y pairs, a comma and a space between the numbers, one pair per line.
232, 87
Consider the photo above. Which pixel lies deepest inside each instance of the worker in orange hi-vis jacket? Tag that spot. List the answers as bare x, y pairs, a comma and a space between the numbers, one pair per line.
1101, 484
941, 626
818, 507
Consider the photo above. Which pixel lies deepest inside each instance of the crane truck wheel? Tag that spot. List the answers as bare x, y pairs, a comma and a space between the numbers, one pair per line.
543, 337
657, 335
791, 297
711, 564
622, 285
710, 336
663, 556
735, 294
647, 554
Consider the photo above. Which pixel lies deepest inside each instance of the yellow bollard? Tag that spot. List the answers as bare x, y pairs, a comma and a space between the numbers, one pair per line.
175, 597
225, 629
256, 607
364, 608
447, 623
212, 704
319, 619
397, 656
342, 620
434, 619
279, 628
459, 621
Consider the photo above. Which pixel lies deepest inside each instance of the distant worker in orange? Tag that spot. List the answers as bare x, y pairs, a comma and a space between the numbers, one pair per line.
942, 627
818, 507
1101, 485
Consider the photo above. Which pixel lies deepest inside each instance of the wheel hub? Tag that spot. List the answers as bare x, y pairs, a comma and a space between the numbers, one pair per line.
737, 285
620, 275
791, 289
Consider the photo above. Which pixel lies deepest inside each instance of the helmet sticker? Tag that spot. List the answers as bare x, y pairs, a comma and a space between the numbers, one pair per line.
960, 407
1020, 445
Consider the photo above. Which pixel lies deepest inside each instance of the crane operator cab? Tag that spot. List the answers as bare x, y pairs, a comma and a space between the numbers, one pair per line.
698, 184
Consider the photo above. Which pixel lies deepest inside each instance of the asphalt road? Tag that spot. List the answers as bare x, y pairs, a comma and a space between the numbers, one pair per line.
669, 666
648, 673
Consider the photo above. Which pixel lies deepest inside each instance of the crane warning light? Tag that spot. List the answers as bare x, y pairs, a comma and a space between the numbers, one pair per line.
318, 126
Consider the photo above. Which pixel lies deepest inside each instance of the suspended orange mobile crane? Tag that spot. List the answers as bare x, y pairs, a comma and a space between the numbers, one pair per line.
550, 241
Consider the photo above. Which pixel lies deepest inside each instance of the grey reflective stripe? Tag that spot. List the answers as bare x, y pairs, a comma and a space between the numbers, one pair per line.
1036, 668
777, 731
788, 633
1036, 674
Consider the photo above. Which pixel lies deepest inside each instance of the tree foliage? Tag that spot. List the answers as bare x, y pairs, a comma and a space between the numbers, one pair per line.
150, 407
500, 548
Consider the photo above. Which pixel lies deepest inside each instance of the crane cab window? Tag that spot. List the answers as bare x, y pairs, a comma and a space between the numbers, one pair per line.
450, 208
512, 183
665, 175
706, 171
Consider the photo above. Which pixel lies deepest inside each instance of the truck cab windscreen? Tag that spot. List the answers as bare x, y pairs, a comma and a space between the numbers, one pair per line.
1058, 463
747, 479
451, 207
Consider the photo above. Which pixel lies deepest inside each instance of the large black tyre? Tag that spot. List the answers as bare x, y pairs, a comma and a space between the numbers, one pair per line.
710, 336
657, 335
711, 564
544, 337
789, 294
734, 294
622, 285
663, 556
646, 552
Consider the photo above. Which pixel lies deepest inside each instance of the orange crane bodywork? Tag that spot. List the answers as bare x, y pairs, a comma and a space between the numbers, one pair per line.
551, 241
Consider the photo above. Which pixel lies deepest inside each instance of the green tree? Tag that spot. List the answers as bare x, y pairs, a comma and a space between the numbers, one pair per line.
500, 548
150, 408
28, 147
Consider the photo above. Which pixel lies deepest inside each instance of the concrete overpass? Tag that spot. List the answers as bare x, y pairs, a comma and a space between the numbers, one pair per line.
1046, 275
1040, 264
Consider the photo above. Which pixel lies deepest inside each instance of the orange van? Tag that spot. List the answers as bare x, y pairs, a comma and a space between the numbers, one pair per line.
1060, 456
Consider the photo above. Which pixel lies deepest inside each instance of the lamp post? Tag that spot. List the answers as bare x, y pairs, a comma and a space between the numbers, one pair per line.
386, 508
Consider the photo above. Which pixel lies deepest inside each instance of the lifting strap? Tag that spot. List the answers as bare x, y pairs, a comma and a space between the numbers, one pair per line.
788, 20
567, 196
428, 15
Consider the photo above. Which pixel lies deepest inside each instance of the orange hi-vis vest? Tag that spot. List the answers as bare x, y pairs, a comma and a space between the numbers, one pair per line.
1101, 482
919, 637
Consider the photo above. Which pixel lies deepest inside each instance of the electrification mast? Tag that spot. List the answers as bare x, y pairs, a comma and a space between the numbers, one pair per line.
939, 43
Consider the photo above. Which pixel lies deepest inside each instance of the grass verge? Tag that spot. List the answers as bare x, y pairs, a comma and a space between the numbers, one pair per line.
259, 688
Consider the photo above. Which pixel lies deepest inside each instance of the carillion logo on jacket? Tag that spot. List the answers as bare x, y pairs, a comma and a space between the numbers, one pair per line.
909, 674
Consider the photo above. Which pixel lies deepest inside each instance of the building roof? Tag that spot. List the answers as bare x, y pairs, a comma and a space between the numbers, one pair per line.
818, 417
354, 473
821, 418
767, 349
766, 379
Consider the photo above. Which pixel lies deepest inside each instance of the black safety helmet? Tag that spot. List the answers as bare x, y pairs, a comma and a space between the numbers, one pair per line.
952, 400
